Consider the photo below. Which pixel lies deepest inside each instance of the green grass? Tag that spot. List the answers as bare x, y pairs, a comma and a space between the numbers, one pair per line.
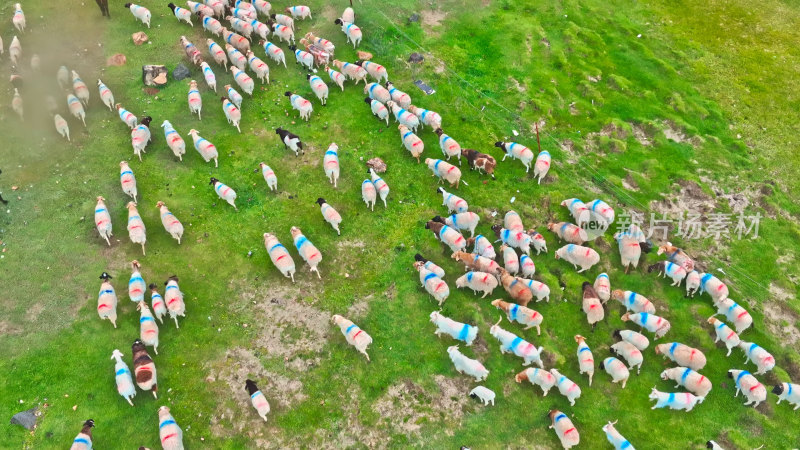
689, 68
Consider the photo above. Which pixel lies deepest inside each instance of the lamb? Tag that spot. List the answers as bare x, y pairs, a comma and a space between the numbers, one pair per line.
206, 149
615, 438
174, 299
354, 335
617, 370
61, 126
724, 334
675, 400
427, 117
633, 302
476, 262
232, 113
398, 96
478, 281
174, 140
376, 71
170, 222
102, 219
319, 88
284, 33
715, 288
224, 192
148, 330
650, 322
290, 140
630, 353
449, 236
126, 116
733, 312
136, 284
368, 194
338, 78
213, 26
516, 288
693, 382
140, 136
753, 391
404, 117
259, 67
579, 211
511, 343
304, 58
538, 242
18, 19
432, 283
234, 96
159, 307
377, 92
412, 142
240, 42
484, 394
566, 387
591, 305
517, 239
243, 80
76, 108
760, 357
526, 265
789, 392
601, 208
106, 96
578, 255
136, 230
380, 186
191, 51
521, 314
350, 30
482, 246
541, 166
683, 355
456, 330
666, 268
540, 377
429, 265
217, 53
585, 357
539, 290
141, 13
310, 254
257, 398
603, 287
169, 432
450, 148
516, 151
453, 202
279, 255
302, 105
144, 369
274, 52
692, 283
107, 300
677, 256
83, 441
565, 430
637, 339
195, 101
510, 259
629, 250
469, 366
122, 377
183, 15
352, 71
443, 170
566, 231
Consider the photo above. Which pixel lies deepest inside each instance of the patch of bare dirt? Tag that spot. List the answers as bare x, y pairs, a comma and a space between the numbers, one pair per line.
641, 135
431, 18
517, 85
573, 110
330, 13
568, 147
673, 132
33, 312
629, 183
440, 67
359, 309
780, 318
690, 200
8, 328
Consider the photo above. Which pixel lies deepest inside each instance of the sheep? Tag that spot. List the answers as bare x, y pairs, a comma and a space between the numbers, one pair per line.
217, 5
269, 176
629, 250
585, 358
675, 400
538, 242
262, 6
107, 300
456, 330
169, 432
478, 281
217, 53
83, 441
192, 53
257, 398
377, 92
350, 30
449, 236
338, 78
734, 312
566, 387
637, 339
615, 438
213, 26
521, 314
171, 223
591, 305
378, 109
443, 170
516, 288
692, 283
283, 19
724, 334
302, 105
482, 246
517, 239
380, 186
432, 283
715, 288
141, 13
511, 343
539, 290
136, 284
209, 77
789, 392
453, 202
602, 285
753, 391
148, 330
126, 116
404, 117
354, 335
541, 166
566, 231
526, 265
479, 161
540, 377
240, 42
144, 369
261, 29
516, 151
325, 44
304, 58
617, 370
693, 382
310, 254
465, 365
510, 259
243, 80
157, 302
633, 302
412, 142
102, 219
352, 71
376, 71
106, 96
450, 148
677, 256
274, 52
368, 194
683, 355
18, 19
284, 33
713, 445
241, 26
650, 322
319, 88
565, 430
579, 211
290, 140
233, 95
15, 52
200, 9
174, 140
427, 117
224, 192
279, 255
174, 299
140, 136
601, 208
329, 214
183, 15
630, 353
136, 229
76, 108
484, 394
122, 377
61, 126
476, 262
206, 149
578, 255
666, 268
429, 265
195, 101
760, 357
232, 113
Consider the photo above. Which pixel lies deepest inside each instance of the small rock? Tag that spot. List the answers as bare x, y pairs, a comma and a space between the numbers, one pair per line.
416, 58
117, 60
414, 18
74, 407
25, 419
154, 75
180, 72
377, 165
139, 38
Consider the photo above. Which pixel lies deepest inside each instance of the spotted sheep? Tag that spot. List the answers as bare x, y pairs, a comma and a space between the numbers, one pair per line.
447, 235
511, 343
585, 357
136, 229
174, 140
433, 283
206, 149
279, 256
687, 377
516, 151
453, 202
752, 390
307, 250
763, 359
102, 219
478, 281
259, 67
107, 300
633, 302
290, 140
591, 305
789, 392
566, 387
650, 322
274, 52
724, 334
354, 335
521, 314
411, 142
564, 428
378, 109
377, 92
122, 377
682, 354
195, 101
224, 192
444, 171
566, 231
217, 53
106, 95
172, 225
674, 400
617, 370
615, 438
669, 269
510, 259
539, 377
476, 262
350, 30
457, 330
578, 255
144, 369
735, 313
632, 355
602, 285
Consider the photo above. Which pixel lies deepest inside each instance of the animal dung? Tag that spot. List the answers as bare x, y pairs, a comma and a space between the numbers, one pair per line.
154, 75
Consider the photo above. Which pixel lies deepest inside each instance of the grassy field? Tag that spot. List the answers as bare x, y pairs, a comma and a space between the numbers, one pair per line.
652, 106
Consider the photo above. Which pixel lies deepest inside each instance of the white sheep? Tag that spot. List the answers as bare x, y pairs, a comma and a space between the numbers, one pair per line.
457, 330
469, 366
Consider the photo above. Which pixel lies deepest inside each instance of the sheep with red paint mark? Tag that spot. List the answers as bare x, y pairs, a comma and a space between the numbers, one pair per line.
102, 219
521, 314
106, 95
629, 249
633, 302
617, 369
243, 80
539, 290
224, 192
634, 337
763, 359
144, 369
353, 33
578, 255
83, 441
174, 140
516, 288
80, 88
217, 53
213, 26
754, 392
615, 438
303, 106
259, 67
136, 229
694, 382
669, 269
169, 432
541, 166
107, 300
403, 116
677, 256
527, 266
632, 355
517, 239
354, 335
157, 302
329, 214
585, 357
650, 322
510, 259
257, 399
566, 387
122, 377
564, 428
478, 282
725, 334
516, 151
602, 285
353, 72
274, 52
682, 354
457, 330
539, 377
579, 211
465, 365
378, 109
512, 221
675, 400
449, 236
789, 392
148, 330
453, 202
411, 142
692, 283
240, 42
380, 186
136, 284
566, 231
307, 250
173, 298
398, 96
427, 117
713, 286
476, 262
377, 92
232, 113
443, 170
432, 283
206, 149
430, 265
511, 343
195, 101
734, 313
591, 305
279, 256
172, 225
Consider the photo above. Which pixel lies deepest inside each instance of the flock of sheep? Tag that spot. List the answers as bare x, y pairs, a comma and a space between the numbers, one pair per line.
483, 273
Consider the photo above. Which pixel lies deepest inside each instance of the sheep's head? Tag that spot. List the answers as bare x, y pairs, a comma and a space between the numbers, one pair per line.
664, 375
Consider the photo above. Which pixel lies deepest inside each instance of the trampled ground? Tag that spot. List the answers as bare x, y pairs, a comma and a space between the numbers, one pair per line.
656, 107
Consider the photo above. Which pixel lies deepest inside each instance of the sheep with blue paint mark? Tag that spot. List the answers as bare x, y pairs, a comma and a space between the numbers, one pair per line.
478, 282
564, 428
136, 284
375, 70
207, 150
427, 117
257, 399
310, 254
566, 387
585, 357
102, 219
171, 224
126, 116
214, 27
694, 382
754, 392
354, 335
677, 255
430, 265
591, 304
615, 438
194, 99
369, 194
724, 333
432, 283
274, 52
463, 221
450, 148
260, 68
279, 256
758, 355
630, 250
398, 96
521, 314
617, 369
303, 106
76, 108
682, 354
411, 142
378, 109
510, 259
539, 377
634, 337
350, 30
377, 92
83, 441
140, 136
403, 116
243, 80
106, 95
447, 235
174, 299
136, 229
329, 214
517, 239
713, 286
789, 392
630, 354
141, 13
579, 211
633, 302
224, 192
511, 343
650, 322
233, 95
157, 302
578, 255
457, 330
148, 329
516, 151
566, 231
669, 269
602, 285
319, 88
208, 75
453, 202
734, 313
174, 140
232, 113
526, 265
541, 166
169, 432
122, 377
356, 73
